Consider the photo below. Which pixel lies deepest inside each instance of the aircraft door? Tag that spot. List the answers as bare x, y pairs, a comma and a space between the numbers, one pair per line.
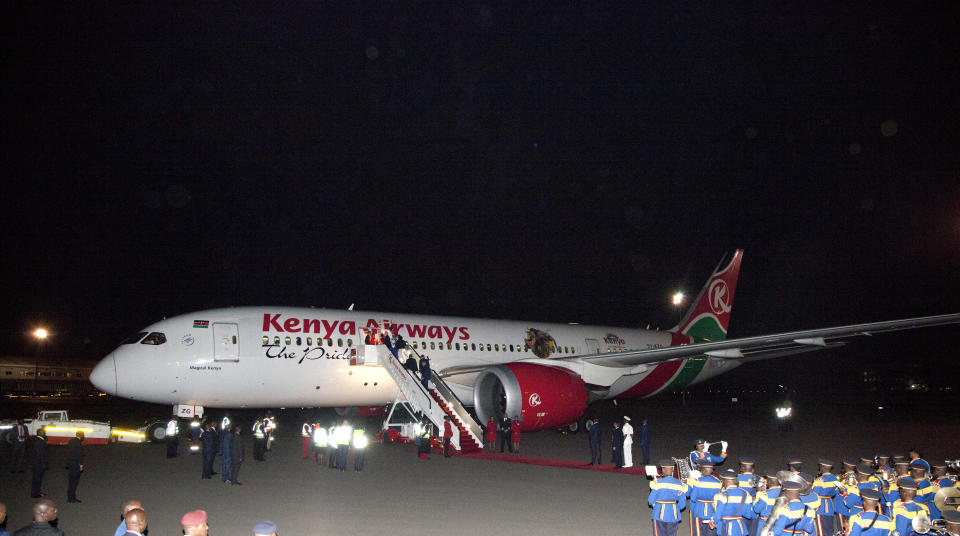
591, 346
226, 342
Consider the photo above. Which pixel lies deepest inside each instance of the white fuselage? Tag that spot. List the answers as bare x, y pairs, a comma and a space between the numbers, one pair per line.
304, 357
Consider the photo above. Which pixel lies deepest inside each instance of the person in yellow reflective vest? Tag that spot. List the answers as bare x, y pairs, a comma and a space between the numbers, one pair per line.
306, 434
360, 448
319, 443
270, 428
195, 432
172, 437
259, 440
344, 431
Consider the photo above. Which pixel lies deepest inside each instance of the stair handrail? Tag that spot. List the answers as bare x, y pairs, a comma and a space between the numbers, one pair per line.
457, 407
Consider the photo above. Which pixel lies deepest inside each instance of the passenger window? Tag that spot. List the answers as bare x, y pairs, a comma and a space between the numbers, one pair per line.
496, 347
266, 340
457, 345
415, 345
526, 348
286, 340
511, 347
134, 339
432, 345
340, 343
309, 341
448, 345
156, 338
276, 341
488, 347
481, 346
329, 342
299, 341
473, 346
349, 342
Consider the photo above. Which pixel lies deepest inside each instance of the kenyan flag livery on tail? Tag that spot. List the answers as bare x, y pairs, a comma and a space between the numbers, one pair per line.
707, 320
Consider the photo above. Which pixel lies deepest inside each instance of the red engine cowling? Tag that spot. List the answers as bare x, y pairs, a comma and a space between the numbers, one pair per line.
545, 397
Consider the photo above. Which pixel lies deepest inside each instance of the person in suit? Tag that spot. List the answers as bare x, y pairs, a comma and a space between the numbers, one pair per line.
594, 433
506, 432
136, 520
236, 455
40, 463
74, 466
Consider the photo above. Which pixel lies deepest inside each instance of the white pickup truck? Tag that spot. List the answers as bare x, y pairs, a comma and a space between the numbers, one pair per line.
61, 428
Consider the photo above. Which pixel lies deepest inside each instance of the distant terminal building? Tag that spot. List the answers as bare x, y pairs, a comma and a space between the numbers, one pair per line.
21, 375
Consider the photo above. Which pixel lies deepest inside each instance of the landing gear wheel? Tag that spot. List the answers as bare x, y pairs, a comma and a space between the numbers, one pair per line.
588, 424
574, 427
157, 433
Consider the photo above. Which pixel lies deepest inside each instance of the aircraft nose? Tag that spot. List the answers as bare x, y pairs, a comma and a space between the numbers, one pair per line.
104, 375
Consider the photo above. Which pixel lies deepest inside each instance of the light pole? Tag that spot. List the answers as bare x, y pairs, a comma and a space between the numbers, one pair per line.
678, 298
40, 334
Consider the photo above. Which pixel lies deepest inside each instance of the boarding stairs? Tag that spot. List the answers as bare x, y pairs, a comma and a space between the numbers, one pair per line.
435, 403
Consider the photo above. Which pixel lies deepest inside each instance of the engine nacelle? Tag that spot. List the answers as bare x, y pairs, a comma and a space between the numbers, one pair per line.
545, 397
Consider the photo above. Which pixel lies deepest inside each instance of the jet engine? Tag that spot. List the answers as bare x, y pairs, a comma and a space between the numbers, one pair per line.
545, 397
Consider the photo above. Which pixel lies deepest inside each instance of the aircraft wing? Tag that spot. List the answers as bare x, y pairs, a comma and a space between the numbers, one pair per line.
765, 346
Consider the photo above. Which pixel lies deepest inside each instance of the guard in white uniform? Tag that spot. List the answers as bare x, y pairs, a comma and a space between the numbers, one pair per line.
627, 442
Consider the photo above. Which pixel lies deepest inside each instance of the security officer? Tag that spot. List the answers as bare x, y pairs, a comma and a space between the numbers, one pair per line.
700, 453
905, 509
825, 486
225, 458
925, 489
360, 448
701, 492
172, 437
259, 440
306, 433
870, 522
506, 432
195, 432
41, 462
617, 445
794, 518
344, 432
731, 506
765, 500
74, 465
668, 497
319, 443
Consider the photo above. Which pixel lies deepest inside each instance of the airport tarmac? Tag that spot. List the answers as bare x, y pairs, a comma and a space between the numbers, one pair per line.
400, 494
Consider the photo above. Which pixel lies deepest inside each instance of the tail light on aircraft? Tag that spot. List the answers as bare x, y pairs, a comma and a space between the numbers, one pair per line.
543, 396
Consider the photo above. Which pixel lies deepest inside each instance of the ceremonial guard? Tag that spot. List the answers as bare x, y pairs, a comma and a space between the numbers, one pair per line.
905, 509
627, 442
765, 500
700, 453
870, 522
617, 444
595, 453
731, 506
794, 517
668, 498
701, 493
825, 486
172, 437
306, 434
925, 489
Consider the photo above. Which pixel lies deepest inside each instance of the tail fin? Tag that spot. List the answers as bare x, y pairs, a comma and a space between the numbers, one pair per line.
709, 316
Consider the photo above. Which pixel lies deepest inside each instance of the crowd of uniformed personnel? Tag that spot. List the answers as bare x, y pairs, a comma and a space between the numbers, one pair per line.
877, 496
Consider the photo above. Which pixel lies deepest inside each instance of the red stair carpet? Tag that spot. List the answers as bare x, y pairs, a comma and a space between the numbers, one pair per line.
547, 462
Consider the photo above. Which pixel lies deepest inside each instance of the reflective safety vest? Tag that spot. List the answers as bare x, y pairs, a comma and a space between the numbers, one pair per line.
258, 430
320, 437
172, 427
343, 434
359, 441
225, 423
268, 424
194, 423
305, 430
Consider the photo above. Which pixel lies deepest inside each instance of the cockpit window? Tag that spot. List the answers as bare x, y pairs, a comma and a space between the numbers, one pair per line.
133, 339
155, 338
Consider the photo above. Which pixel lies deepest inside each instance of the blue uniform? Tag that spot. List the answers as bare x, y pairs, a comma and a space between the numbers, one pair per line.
667, 497
853, 500
763, 504
704, 456
701, 493
870, 524
731, 507
825, 487
795, 518
225, 455
925, 493
903, 514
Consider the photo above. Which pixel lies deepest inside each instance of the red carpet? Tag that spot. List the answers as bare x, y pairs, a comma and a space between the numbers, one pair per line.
566, 464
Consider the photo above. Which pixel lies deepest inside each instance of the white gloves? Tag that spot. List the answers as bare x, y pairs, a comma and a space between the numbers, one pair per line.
723, 445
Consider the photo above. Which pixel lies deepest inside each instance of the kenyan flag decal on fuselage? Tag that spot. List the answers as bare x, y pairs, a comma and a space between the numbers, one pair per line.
201, 324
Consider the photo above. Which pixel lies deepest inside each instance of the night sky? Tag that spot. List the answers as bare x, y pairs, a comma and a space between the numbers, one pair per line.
542, 161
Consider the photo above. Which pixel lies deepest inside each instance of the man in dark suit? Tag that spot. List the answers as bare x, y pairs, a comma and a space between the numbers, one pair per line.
506, 432
40, 463
208, 441
594, 433
44, 512
74, 465
236, 455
